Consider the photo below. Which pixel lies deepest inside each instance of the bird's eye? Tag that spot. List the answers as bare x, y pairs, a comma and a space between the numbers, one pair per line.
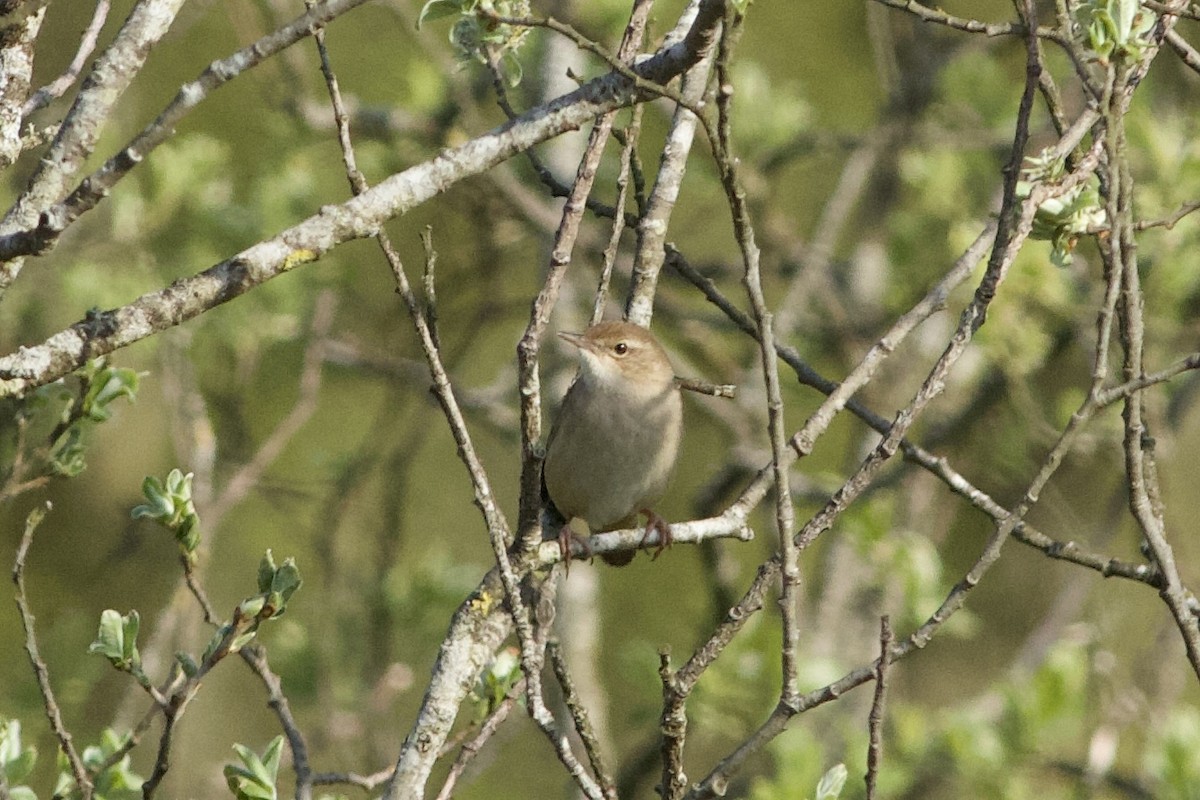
620, 348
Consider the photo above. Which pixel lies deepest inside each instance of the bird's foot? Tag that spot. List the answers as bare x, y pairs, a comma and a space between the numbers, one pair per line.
567, 537
656, 523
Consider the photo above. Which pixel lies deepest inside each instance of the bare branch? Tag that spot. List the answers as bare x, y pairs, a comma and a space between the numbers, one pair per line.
87, 43
79, 133
40, 670
875, 718
357, 218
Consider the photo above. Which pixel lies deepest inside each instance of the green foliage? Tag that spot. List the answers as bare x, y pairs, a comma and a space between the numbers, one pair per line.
169, 503
16, 760
797, 757
276, 586
1062, 220
113, 782
116, 640
474, 34
832, 782
791, 115
496, 681
1116, 28
254, 778
99, 385
1171, 754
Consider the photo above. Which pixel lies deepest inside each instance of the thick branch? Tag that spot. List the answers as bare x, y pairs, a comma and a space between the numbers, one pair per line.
357, 218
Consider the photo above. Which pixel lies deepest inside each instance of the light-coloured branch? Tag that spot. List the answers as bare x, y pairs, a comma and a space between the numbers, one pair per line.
79, 133
359, 217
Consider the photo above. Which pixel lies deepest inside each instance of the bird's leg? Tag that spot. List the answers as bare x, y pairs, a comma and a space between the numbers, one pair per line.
656, 523
565, 537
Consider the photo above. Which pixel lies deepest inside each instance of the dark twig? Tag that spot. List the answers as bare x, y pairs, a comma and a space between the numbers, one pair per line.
369, 782
936, 465
788, 554
40, 670
1120, 253
1015, 222
875, 718
1187, 54
583, 725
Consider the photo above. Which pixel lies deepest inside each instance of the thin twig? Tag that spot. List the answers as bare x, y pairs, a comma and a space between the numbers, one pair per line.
727, 165
1170, 220
369, 782
698, 386
256, 658
936, 465
618, 62
582, 721
629, 149
1145, 496
654, 219
471, 748
40, 670
875, 718
497, 525
1015, 222
87, 43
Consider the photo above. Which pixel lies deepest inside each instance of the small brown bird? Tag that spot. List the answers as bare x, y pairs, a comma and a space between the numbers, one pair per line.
612, 449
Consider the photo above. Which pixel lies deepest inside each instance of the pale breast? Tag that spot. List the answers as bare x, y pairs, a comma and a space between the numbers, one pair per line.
610, 457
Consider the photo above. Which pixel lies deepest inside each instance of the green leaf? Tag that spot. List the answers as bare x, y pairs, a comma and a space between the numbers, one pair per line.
110, 638
254, 778
271, 755
159, 506
16, 761
831, 783
187, 664
251, 607
130, 625
266, 571
188, 534
242, 641
106, 386
179, 485
215, 642
67, 457
286, 579
438, 9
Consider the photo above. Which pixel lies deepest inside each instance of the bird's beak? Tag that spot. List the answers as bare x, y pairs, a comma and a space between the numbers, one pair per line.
572, 338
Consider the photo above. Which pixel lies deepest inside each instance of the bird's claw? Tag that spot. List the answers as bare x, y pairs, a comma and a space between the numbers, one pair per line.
656, 523
565, 537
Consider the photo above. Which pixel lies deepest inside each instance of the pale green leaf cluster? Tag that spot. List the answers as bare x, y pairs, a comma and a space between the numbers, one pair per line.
16, 760
116, 640
473, 35
254, 777
81, 409
169, 503
1062, 220
496, 681
110, 781
1116, 28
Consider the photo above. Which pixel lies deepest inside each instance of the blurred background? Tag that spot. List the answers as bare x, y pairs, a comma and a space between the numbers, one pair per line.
871, 146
